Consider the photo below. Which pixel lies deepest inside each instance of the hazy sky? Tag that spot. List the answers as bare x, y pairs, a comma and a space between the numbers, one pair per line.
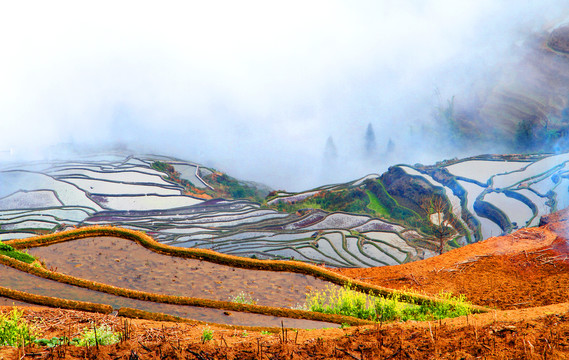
254, 88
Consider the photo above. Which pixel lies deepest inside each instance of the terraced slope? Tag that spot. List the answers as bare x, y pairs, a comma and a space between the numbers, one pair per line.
523, 276
372, 221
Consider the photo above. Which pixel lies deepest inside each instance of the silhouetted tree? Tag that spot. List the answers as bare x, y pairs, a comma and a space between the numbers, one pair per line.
330, 152
525, 135
369, 141
390, 146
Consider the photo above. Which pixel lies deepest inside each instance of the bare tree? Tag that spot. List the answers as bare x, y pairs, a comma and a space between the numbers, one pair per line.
440, 221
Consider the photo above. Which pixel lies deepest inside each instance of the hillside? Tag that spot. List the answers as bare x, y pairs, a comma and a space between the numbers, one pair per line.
524, 276
524, 104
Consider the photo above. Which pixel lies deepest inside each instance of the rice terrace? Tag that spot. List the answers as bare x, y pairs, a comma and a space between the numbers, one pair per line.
260, 180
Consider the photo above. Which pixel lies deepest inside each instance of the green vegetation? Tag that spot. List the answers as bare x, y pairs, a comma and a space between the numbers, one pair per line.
14, 330
243, 298
224, 186
56, 341
229, 187
543, 135
9, 251
376, 206
352, 200
102, 335
390, 206
349, 302
163, 167
371, 198
207, 334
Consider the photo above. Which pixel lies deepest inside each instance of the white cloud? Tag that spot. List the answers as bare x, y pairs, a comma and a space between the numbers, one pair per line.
268, 80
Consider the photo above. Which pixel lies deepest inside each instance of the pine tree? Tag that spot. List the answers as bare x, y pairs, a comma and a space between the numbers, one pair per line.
330, 152
369, 143
390, 146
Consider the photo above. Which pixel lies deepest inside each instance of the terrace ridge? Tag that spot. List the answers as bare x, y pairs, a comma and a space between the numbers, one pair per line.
206, 255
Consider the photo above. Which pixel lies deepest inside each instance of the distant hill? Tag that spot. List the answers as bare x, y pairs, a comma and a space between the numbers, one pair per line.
525, 104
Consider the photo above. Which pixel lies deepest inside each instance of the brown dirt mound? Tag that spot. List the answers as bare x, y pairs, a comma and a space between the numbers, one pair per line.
525, 269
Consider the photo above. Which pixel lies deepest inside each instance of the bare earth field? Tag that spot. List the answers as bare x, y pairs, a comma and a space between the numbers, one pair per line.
523, 276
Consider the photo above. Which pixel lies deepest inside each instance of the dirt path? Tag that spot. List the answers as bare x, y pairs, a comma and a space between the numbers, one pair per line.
536, 333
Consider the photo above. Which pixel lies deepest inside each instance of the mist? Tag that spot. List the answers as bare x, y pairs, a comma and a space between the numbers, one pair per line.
252, 88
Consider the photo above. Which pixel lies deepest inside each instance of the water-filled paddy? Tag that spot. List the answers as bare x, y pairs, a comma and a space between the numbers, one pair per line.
539, 201
548, 165
189, 172
339, 221
97, 186
482, 170
29, 200
115, 175
147, 202
67, 194
518, 212
18, 280
126, 264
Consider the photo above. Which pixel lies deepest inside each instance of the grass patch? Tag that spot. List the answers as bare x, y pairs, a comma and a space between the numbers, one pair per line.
387, 201
351, 200
375, 205
349, 302
102, 335
207, 334
9, 251
14, 330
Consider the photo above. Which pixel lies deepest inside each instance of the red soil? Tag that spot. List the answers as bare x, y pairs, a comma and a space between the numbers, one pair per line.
526, 269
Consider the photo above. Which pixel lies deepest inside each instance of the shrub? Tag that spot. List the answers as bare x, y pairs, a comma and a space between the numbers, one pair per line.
102, 335
207, 334
14, 329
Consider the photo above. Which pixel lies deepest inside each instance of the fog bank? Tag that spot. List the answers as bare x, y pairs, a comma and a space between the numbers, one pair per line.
253, 88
